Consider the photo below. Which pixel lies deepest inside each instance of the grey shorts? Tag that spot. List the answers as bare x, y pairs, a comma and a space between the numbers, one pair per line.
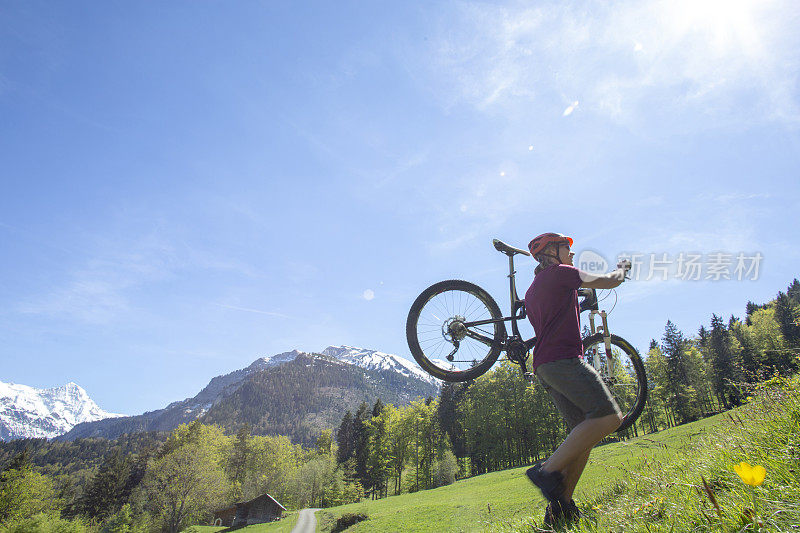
577, 390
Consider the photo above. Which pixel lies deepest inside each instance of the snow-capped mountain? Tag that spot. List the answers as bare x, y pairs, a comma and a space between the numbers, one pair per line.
375, 360
328, 384
26, 412
350, 375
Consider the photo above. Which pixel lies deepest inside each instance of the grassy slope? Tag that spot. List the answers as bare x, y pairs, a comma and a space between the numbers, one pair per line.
500, 499
648, 484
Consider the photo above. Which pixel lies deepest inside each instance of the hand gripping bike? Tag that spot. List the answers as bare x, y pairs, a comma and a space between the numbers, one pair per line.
456, 332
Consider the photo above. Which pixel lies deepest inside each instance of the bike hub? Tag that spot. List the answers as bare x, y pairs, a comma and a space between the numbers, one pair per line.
453, 329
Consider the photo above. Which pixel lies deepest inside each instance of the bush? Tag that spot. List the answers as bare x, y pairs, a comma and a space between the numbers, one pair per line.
446, 469
125, 522
347, 520
325, 520
42, 523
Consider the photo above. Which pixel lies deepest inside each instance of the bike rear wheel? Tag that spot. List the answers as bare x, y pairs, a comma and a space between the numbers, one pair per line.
451, 330
622, 371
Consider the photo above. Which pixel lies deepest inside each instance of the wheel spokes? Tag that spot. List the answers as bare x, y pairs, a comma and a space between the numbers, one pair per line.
442, 323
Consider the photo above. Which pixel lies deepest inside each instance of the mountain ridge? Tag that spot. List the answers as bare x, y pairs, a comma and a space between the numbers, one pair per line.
28, 412
365, 376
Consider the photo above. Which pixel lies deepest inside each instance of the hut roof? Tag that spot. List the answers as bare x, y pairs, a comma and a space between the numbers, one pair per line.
270, 497
265, 495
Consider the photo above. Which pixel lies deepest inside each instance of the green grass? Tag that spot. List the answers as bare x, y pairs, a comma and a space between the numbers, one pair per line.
673, 496
283, 525
650, 483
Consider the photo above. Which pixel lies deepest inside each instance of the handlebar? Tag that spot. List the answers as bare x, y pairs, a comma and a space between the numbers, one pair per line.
589, 302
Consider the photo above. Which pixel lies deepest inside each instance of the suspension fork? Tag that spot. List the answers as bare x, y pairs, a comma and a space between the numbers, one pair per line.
606, 340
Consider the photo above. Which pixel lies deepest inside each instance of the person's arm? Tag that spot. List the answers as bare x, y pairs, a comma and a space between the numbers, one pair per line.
606, 281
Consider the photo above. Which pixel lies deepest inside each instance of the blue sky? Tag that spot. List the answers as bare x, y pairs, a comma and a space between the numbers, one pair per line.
189, 186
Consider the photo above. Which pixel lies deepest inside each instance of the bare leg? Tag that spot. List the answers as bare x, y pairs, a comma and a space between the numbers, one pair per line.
580, 441
573, 473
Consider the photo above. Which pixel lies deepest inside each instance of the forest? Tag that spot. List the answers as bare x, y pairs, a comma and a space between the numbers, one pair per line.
152, 482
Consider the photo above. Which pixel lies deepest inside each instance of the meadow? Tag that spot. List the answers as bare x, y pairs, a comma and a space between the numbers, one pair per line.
680, 479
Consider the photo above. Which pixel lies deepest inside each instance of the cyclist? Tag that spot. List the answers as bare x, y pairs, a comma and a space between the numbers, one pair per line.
576, 389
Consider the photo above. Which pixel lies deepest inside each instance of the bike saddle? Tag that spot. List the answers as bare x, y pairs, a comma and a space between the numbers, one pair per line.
500, 246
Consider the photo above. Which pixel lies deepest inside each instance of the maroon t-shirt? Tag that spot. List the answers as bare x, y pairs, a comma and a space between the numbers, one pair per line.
551, 304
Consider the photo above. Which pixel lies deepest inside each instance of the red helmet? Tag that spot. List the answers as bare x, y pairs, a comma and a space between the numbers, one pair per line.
539, 243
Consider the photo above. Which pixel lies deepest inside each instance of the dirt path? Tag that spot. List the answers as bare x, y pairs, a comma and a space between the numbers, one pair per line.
306, 521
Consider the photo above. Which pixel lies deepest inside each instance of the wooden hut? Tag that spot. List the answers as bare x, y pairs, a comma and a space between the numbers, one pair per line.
224, 517
265, 508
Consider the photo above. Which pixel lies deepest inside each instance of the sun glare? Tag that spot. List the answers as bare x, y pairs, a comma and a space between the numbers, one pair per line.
723, 24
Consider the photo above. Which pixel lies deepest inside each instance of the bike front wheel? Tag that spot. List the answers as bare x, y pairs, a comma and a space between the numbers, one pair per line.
622, 371
455, 330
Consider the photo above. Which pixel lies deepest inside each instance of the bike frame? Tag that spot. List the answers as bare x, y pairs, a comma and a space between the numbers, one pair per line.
514, 346
517, 348
517, 309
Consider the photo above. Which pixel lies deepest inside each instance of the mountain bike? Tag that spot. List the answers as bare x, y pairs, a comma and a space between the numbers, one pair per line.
456, 332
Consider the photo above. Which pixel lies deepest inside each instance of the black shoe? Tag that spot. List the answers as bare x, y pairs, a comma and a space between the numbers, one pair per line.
550, 483
559, 514
570, 511
553, 514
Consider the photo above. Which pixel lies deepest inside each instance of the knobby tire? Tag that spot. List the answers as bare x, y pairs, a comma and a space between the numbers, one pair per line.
433, 308
631, 394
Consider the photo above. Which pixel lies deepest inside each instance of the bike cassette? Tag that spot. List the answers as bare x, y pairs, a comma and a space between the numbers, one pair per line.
454, 330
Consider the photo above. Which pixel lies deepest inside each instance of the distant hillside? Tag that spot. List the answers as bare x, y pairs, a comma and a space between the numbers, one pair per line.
295, 394
309, 394
71, 457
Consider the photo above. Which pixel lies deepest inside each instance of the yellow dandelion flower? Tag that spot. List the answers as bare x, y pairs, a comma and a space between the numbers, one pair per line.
751, 475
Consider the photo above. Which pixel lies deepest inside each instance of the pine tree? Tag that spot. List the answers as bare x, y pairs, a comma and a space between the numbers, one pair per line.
377, 408
105, 492
682, 395
672, 346
450, 417
749, 355
21, 461
724, 366
793, 292
703, 338
786, 315
750, 309
344, 438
